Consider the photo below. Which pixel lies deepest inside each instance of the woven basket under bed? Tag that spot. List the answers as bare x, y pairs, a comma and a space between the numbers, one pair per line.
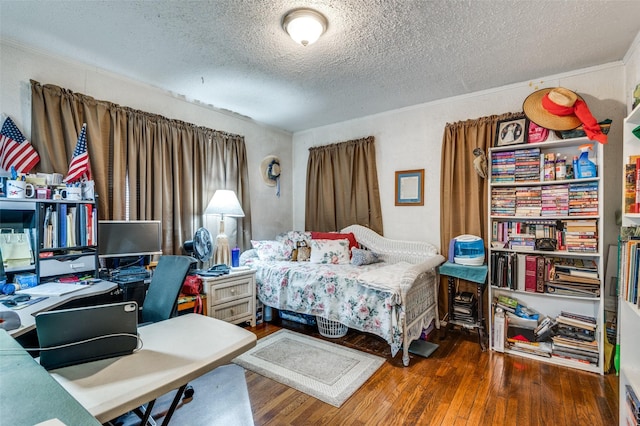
332, 329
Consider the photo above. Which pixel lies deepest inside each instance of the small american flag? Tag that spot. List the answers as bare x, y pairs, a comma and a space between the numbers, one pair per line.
15, 150
79, 166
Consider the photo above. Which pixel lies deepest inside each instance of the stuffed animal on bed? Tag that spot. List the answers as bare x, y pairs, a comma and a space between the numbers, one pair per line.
304, 251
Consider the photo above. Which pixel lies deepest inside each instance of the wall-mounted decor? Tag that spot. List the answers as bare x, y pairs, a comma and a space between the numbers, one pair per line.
512, 131
410, 188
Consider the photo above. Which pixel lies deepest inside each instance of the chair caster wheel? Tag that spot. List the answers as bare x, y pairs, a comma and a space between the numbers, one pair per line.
188, 392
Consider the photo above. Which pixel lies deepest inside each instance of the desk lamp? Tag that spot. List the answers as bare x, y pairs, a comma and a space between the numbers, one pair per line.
224, 203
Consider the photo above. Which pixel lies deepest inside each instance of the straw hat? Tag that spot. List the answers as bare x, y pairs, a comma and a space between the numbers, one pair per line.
535, 112
270, 169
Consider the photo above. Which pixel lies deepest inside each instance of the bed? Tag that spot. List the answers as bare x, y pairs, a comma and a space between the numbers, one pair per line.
395, 298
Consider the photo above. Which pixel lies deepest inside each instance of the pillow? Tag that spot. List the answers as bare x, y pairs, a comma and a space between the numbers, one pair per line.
361, 257
335, 236
270, 250
330, 251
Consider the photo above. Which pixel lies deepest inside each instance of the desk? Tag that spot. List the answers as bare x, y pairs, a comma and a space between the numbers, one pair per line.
29, 394
27, 315
175, 352
476, 275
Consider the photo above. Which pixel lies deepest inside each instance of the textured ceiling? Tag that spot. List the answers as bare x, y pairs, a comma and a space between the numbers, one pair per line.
377, 55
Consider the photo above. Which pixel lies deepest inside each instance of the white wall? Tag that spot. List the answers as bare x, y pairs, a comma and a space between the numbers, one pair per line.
408, 138
411, 138
632, 70
19, 64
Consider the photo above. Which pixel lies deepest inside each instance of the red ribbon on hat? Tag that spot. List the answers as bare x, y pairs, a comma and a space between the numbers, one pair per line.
580, 110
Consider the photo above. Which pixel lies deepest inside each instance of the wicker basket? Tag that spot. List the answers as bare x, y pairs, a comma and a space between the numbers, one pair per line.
332, 329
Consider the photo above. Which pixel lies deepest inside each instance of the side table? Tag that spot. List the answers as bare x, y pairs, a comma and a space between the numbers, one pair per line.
232, 297
476, 275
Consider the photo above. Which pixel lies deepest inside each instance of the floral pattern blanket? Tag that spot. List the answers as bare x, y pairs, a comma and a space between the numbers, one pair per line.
335, 292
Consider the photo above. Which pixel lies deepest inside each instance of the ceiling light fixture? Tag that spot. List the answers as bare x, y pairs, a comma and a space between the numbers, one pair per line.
304, 26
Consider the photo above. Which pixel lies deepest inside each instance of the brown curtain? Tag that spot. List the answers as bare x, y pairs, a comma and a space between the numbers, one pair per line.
342, 187
143, 164
463, 193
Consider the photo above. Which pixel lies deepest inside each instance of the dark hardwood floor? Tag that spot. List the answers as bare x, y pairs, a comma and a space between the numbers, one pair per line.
457, 385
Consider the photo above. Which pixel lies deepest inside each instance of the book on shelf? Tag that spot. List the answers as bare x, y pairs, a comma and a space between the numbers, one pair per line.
507, 303
521, 272
571, 278
637, 200
633, 403
572, 289
540, 268
63, 225
576, 320
537, 348
630, 188
531, 269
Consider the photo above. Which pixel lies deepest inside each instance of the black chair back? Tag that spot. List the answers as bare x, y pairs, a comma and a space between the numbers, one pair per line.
161, 300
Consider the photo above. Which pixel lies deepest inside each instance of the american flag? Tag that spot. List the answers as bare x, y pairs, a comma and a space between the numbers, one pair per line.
15, 150
79, 166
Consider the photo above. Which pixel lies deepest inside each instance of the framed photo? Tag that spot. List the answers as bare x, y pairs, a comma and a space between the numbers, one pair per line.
512, 131
410, 188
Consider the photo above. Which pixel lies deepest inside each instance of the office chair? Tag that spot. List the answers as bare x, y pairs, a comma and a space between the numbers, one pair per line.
161, 303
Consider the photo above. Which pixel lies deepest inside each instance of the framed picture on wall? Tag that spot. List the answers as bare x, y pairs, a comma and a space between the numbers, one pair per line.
410, 188
512, 131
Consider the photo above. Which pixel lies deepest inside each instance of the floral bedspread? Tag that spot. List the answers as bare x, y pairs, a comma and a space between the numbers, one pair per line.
333, 292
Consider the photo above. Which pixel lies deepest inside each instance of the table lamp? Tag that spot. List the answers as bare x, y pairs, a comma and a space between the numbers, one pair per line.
224, 203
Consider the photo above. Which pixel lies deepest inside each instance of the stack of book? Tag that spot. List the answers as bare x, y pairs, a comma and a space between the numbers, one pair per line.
633, 406
503, 201
527, 165
503, 166
581, 236
528, 201
465, 307
544, 349
574, 277
575, 338
504, 269
629, 265
631, 187
583, 199
522, 336
555, 200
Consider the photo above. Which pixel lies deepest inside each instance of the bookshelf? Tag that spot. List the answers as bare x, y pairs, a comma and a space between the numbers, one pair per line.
628, 309
530, 207
62, 236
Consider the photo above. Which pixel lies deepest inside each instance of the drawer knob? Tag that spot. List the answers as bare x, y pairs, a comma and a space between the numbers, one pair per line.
233, 291
232, 311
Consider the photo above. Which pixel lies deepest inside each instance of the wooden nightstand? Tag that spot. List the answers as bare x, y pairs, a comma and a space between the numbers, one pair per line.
232, 297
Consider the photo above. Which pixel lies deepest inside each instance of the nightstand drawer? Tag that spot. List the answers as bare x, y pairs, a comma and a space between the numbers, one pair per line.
232, 290
232, 311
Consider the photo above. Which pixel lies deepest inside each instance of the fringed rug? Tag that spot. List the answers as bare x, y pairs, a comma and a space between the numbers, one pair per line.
324, 370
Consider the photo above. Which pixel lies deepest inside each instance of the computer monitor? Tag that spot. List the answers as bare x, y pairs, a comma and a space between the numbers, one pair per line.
127, 238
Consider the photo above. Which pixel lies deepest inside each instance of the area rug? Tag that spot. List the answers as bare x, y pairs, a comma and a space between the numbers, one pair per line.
324, 370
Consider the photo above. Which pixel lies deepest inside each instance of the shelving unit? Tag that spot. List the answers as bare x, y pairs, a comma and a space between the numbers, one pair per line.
513, 234
628, 311
63, 235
